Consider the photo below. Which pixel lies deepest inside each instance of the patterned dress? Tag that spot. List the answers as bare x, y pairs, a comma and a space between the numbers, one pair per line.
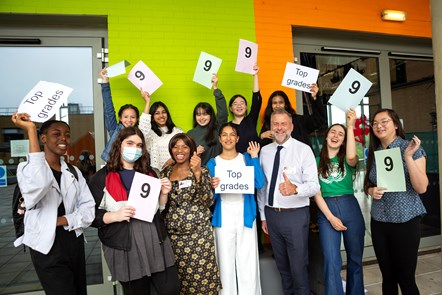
188, 225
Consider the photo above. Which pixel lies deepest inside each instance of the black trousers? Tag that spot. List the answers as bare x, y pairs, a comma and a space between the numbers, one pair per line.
396, 246
63, 269
164, 283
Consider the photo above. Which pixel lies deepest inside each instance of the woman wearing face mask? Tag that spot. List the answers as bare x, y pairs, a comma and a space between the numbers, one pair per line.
128, 115
303, 125
246, 123
157, 132
188, 216
234, 219
138, 253
205, 124
340, 215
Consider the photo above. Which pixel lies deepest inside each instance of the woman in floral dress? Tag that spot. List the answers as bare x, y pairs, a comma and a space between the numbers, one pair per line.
187, 217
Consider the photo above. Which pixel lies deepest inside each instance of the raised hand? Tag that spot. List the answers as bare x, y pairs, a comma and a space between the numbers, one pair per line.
412, 147
253, 149
214, 81
145, 95
103, 73
351, 118
314, 90
22, 121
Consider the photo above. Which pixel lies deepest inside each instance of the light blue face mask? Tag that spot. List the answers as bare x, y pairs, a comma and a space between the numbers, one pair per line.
131, 154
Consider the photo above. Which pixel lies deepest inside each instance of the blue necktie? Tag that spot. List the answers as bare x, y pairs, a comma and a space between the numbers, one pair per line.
274, 175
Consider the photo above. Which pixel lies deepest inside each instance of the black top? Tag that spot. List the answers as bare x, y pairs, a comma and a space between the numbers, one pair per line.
247, 127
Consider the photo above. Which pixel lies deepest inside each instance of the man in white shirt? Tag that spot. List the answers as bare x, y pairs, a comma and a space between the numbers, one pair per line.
285, 212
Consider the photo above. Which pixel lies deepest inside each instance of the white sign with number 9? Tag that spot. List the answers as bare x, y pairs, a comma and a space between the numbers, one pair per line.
389, 170
350, 92
206, 66
143, 196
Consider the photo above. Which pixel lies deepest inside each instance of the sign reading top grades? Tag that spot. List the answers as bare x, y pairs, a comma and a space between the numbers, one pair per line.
44, 100
235, 180
299, 77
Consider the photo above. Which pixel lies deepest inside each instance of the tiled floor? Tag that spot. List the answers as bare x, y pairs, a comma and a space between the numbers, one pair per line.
428, 275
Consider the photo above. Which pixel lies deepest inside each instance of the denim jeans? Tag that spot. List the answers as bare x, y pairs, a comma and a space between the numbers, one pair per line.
347, 209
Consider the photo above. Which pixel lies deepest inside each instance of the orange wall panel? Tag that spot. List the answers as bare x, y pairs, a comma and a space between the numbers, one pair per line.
274, 20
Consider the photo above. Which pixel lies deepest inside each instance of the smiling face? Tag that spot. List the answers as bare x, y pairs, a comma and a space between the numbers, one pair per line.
228, 138
202, 118
128, 118
160, 116
335, 137
383, 127
282, 127
56, 139
278, 102
181, 152
239, 107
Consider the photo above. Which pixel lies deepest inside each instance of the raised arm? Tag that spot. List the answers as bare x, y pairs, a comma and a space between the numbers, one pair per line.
110, 120
221, 104
23, 121
350, 152
145, 118
313, 121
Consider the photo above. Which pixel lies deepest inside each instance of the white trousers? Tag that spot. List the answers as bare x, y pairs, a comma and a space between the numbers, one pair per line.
237, 250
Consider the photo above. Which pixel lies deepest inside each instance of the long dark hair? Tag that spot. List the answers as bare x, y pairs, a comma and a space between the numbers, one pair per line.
324, 159
128, 106
268, 110
212, 126
169, 123
141, 165
375, 142
187, 140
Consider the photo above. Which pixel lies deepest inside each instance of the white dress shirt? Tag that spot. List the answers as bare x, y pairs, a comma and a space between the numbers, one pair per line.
298, 163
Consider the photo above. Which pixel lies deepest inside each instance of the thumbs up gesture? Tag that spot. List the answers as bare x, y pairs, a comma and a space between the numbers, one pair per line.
287, 188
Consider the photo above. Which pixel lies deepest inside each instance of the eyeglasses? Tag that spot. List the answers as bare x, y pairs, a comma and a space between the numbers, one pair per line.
237, 104
383, 123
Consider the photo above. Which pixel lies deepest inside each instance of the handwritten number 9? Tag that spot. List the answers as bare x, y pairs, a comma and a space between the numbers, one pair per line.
354, 87
248, 52
388, 163
139, 75
208, 65
145, 188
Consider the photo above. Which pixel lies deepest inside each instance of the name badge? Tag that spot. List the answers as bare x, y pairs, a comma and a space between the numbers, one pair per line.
185, 183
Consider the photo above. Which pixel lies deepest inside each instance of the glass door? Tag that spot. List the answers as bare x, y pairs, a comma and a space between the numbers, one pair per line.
71, 62
332, 69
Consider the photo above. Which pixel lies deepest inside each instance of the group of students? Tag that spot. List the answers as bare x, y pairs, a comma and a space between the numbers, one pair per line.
205, 243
